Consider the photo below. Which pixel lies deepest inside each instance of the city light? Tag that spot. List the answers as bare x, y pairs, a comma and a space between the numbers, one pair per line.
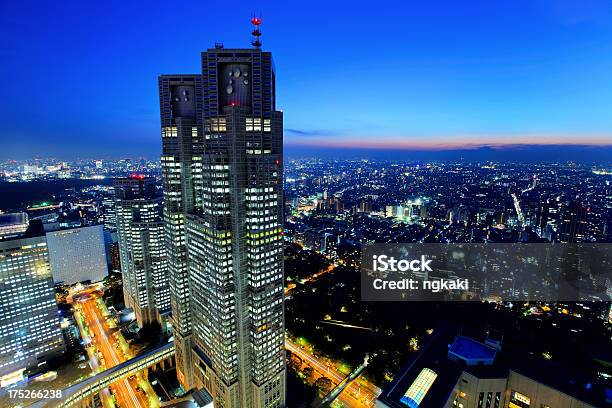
426, 223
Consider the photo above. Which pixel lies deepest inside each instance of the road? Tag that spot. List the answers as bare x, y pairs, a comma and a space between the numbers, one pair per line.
519, 211
105, 394
357, 394
310, 279
133, 392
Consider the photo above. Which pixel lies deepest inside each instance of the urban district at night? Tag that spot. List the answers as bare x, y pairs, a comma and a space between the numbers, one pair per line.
334, 204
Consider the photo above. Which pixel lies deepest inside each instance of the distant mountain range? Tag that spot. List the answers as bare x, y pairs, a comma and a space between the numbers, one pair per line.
519, 153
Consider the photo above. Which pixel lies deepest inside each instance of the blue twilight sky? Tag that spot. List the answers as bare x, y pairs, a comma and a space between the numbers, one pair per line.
79, 78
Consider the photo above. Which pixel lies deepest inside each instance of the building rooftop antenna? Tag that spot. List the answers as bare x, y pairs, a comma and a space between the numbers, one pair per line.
256, 21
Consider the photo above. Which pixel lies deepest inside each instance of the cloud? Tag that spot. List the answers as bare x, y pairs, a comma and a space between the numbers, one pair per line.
303, 132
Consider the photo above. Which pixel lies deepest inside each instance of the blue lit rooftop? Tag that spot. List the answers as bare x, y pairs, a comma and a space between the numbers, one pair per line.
471, 351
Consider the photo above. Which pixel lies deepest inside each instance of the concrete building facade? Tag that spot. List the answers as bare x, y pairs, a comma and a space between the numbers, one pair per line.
222, 165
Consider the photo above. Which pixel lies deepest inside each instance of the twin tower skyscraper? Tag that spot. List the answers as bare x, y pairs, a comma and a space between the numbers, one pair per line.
222, 165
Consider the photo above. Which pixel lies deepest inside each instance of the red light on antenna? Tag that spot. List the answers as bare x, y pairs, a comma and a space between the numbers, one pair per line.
256, 21
277, 162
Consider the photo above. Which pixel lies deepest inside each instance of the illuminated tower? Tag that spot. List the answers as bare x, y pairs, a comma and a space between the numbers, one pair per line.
30, 333
222, 167
142, 249
182, 143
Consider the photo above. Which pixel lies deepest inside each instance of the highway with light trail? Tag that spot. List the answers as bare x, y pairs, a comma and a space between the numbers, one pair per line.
134, 392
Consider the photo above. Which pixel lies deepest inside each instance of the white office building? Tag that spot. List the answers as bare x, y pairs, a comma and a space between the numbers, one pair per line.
77, 254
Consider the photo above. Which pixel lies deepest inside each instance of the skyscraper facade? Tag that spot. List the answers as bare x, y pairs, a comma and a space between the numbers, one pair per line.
29, 326
77, 254
109, 216
142, 248
222, 166
182, 144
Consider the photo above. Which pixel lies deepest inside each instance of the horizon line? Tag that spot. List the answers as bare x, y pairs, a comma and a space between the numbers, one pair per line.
394, 144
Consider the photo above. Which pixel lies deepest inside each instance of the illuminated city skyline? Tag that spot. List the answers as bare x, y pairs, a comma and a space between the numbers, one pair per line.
247, 233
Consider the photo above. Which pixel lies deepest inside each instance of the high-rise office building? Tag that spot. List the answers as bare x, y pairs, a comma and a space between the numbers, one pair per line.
142, 248
573, 225
222, 166
29, 326
77, 254
114, 257
109, 215
182, 144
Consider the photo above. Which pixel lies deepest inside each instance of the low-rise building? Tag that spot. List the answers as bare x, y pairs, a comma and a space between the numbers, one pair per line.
453, 371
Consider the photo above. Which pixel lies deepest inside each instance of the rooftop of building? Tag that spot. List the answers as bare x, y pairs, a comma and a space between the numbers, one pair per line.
433, 356
136, 186
134, 177
470, 350
34, 228
13, 219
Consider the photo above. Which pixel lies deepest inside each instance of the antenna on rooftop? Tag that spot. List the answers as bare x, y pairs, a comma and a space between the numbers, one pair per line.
256, 21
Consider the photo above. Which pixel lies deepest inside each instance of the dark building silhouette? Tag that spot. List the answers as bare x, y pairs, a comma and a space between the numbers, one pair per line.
573, 225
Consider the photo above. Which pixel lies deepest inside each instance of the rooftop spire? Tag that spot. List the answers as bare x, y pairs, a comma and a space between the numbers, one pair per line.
256, 21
